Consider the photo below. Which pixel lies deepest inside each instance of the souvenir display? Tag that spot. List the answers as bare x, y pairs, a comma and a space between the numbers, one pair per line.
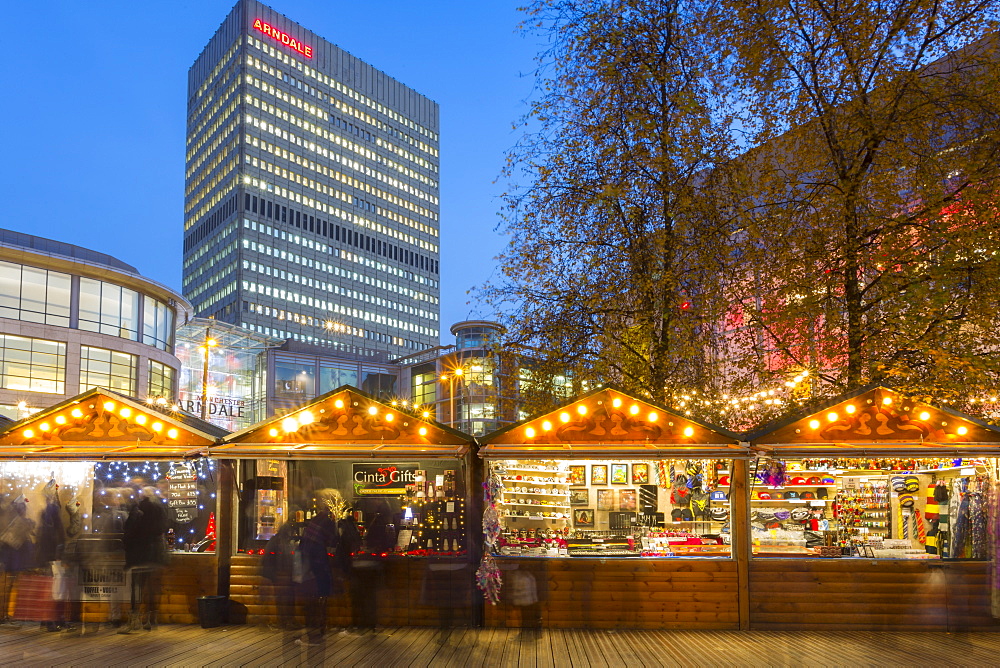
877, 508
544, 511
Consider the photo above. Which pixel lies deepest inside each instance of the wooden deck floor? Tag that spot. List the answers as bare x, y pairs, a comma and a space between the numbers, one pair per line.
251, 646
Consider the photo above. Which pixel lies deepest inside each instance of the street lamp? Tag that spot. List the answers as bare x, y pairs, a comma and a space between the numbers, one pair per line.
209, 344
457, 373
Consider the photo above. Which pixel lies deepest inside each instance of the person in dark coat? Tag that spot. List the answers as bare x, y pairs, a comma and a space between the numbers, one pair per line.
319, 538
145, 539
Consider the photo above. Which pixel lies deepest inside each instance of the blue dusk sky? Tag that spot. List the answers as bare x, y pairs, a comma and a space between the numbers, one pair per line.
93, 118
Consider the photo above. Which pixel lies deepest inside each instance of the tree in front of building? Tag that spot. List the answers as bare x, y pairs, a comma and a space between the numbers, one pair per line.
867, 210
610, 274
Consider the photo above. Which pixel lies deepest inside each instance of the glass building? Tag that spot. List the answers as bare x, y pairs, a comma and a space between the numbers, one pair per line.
72, 319
311, 200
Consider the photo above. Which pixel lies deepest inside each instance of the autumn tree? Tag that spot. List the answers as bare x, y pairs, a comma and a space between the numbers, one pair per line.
611, 270
867, 207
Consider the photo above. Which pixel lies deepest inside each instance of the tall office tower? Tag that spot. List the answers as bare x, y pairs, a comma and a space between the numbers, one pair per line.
311, 191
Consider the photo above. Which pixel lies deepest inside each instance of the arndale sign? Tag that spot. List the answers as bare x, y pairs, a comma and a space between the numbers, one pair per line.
283, 37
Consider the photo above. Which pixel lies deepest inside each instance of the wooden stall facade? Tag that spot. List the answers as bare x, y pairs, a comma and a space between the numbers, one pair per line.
626, 592
348, 425
101, 425
862, 593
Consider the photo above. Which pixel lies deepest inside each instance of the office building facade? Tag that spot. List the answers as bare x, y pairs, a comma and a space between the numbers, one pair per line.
311, 194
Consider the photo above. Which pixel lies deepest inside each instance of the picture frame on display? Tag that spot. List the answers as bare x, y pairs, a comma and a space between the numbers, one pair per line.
599, 474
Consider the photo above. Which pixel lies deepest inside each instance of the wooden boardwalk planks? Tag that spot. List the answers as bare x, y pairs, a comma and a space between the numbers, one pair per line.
175, 645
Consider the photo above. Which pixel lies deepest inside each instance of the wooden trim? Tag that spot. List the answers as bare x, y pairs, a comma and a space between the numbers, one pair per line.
739, 526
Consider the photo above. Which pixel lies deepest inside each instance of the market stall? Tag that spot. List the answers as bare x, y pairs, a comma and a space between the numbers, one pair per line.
399, 480
873, 511
611, 511
68, 478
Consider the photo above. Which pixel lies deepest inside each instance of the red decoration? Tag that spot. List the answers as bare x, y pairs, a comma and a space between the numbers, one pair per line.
210, 532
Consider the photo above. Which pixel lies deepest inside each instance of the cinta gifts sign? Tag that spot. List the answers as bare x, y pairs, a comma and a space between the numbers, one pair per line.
383, 479
283, 37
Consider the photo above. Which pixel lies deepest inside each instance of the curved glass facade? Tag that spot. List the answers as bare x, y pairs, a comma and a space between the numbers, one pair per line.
34, 295
31, 294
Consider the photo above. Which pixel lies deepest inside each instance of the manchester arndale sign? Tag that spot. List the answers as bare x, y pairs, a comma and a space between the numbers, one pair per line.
283, 37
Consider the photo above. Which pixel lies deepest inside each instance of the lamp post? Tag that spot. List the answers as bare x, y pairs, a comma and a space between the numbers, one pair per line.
209, 344
456, 373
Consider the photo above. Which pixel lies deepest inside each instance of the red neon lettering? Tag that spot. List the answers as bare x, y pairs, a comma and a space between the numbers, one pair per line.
283, 37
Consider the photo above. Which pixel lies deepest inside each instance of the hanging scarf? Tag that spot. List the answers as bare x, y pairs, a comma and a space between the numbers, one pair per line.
960, 521
977, 522
920, 529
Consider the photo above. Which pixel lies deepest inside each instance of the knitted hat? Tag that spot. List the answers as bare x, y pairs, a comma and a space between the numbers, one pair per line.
905, 500
912, 483
898, 483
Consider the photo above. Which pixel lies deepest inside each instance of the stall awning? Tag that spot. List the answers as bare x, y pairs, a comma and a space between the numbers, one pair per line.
607, 423
878, 422
328, 451
102, 424
345, 423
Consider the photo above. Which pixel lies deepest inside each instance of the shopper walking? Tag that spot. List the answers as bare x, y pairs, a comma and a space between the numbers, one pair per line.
319, 540
145, 540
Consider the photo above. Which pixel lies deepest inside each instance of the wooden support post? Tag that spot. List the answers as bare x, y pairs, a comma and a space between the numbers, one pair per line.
475, 476
225, 525
739, 513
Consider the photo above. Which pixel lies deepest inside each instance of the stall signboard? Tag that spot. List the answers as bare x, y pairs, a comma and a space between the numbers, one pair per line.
182, 493
378, 479
107, 581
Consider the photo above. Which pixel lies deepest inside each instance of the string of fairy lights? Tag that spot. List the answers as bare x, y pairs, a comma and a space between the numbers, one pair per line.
790, 392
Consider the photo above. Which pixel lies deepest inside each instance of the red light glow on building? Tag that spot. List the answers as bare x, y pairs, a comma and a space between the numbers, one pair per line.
283, 37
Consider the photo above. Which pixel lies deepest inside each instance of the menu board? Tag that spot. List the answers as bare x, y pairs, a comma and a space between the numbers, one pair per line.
182, 492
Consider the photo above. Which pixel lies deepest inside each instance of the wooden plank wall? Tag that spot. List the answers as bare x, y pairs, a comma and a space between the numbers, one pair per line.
626, 593
862, 594
186, 578
402, 597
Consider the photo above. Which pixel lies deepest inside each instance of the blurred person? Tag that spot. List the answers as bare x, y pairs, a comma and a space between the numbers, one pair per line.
278, 567
348, 545
145, 539
369, 564
319, 539
17, 549
110, 513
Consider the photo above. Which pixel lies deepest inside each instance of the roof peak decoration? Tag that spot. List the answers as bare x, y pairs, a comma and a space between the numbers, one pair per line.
348, 416
96, 418
879, 414
611, 416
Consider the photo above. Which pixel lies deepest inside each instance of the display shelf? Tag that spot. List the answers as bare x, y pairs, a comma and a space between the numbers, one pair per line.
535, 505
519, 468
563, 494
533, 517
536, 482
792, 487
790, 500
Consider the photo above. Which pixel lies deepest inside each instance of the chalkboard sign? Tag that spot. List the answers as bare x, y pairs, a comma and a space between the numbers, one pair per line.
182, 492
